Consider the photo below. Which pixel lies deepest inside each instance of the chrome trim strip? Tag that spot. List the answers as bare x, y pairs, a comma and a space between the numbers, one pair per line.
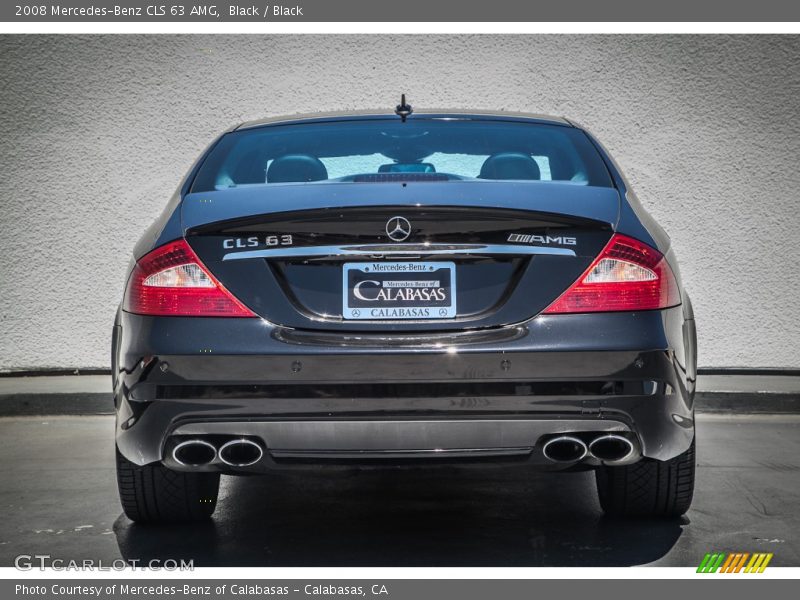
398, 454
393, 436
381, 250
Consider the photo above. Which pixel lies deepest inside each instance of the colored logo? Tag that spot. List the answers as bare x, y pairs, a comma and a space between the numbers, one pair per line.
734, 562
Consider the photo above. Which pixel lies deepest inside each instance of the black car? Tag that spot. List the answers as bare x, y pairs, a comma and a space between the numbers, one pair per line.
404, 287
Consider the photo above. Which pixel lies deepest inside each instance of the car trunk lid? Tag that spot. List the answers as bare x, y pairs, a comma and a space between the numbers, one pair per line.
507, 250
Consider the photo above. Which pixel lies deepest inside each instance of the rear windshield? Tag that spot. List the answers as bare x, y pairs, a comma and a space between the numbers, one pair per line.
389, 150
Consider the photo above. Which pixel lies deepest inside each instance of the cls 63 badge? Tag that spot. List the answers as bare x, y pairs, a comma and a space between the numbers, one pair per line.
257, 241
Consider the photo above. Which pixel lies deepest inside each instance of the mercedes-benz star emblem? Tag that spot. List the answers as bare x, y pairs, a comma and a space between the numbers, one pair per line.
398, 228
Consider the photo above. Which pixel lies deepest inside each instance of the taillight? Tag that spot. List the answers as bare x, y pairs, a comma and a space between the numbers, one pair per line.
627, 275
172, 281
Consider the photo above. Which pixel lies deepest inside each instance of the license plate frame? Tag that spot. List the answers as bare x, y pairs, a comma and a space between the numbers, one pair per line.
404, 298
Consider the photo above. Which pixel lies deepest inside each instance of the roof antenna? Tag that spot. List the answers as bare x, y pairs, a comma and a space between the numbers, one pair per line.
403, 110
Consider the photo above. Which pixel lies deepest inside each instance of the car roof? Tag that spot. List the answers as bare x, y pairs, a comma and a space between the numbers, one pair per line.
383, 114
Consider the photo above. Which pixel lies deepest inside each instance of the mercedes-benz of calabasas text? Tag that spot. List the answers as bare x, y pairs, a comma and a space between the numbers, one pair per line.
408, 287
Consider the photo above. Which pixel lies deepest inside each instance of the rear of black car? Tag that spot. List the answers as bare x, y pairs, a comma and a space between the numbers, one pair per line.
365, 290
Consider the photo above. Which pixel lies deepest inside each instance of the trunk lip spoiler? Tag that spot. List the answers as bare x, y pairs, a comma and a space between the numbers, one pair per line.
398, 250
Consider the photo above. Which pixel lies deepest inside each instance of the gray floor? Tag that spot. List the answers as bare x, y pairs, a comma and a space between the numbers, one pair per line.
58, 497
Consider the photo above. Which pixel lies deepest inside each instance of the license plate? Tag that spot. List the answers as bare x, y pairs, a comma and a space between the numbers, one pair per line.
399, 290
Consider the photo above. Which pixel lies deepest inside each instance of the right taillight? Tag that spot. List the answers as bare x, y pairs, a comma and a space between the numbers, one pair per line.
628, 275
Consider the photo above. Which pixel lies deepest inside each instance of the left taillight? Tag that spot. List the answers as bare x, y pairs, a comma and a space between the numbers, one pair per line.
172, 281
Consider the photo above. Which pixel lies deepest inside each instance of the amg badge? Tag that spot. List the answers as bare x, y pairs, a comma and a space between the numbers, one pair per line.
526, 238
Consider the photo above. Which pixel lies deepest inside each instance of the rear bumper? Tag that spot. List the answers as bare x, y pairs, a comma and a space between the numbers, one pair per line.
499, 392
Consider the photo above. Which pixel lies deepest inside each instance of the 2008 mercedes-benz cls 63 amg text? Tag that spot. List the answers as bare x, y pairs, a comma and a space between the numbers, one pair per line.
404, 288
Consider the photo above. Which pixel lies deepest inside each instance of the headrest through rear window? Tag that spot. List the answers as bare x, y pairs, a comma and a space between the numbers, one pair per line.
510, 165
292, 168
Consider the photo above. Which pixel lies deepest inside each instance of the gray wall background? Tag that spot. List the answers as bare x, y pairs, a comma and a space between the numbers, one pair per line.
97, 131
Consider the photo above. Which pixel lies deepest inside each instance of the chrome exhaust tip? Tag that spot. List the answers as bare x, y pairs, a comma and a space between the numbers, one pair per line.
611, 448
194, 453
240, 453
565, 448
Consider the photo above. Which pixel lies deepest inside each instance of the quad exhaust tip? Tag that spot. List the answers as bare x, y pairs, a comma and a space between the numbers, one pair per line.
194, 453
565, 448
611, 448
240, 453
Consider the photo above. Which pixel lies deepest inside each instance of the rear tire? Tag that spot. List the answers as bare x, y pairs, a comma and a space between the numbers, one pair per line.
648, 488
155, 494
